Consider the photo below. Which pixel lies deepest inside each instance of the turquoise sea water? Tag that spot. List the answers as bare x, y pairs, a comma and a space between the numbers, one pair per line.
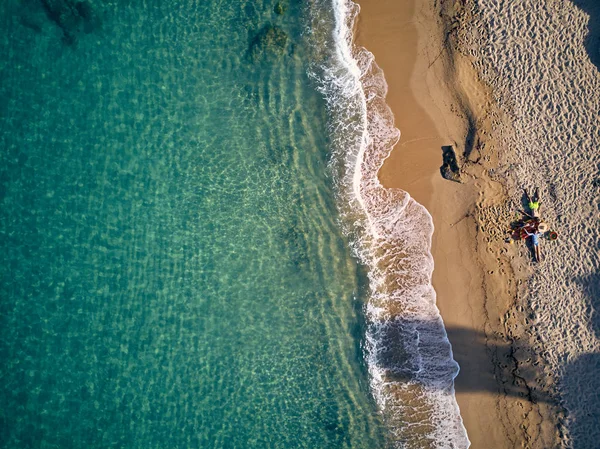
173, 274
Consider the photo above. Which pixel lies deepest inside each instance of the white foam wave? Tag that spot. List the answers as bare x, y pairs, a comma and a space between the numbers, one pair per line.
408, 353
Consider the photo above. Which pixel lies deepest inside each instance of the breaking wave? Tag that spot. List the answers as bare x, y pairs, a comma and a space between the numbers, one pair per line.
410, 360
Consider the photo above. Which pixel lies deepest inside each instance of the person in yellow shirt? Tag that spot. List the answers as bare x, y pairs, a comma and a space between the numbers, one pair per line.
533, 203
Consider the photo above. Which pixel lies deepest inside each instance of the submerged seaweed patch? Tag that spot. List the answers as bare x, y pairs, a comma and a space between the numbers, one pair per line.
270, 40
281, 7
72, 17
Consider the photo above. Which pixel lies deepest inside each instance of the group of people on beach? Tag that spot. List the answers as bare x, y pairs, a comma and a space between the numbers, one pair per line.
533, 203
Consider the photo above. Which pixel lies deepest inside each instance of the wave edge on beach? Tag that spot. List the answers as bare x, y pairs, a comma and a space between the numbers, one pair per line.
409, 356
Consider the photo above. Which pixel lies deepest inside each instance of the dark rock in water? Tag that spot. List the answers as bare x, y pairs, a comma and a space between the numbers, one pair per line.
72, 17
281, 8
31, 25
449, 168
88, 16
31, 17
270, 40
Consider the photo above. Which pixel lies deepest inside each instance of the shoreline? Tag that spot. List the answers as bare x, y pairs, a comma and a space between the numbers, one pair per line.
437, 100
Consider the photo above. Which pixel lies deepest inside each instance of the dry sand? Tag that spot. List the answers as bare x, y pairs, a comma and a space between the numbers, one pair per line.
543, 60
438, 100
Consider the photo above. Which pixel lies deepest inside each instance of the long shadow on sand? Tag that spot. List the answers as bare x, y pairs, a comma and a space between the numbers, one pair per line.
592, 42
582, 400
580, 381
582, 377
494, 365
487, 364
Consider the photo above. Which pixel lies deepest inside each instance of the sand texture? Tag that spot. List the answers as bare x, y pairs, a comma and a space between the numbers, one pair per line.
541, 59
513, 87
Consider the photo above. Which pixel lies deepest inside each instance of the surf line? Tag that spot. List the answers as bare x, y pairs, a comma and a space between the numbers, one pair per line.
409, 356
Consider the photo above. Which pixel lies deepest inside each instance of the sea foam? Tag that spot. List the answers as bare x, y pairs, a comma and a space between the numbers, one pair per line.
410, 360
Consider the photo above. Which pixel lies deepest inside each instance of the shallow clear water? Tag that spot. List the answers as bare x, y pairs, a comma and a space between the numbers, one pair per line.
173, 275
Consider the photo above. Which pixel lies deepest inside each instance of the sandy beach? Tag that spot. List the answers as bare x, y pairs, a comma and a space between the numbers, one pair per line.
300, 224
438, 100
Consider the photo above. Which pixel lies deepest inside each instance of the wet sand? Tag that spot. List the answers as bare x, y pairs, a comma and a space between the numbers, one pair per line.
438, 101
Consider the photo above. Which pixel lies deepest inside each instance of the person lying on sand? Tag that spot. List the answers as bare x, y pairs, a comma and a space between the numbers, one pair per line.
535, 239
533, 202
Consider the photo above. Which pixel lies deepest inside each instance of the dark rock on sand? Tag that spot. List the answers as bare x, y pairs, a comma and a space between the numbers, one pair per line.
449, 168
270, 40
